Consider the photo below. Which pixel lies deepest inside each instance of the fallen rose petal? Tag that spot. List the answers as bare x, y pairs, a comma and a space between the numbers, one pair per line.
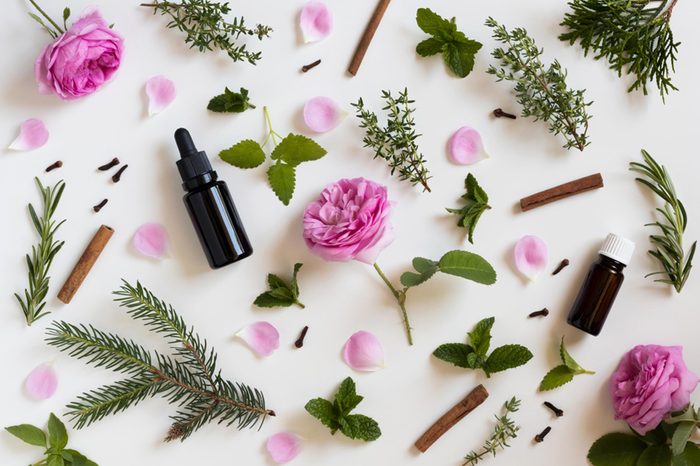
363, 352
315, 21
531, 256
151, 239
32, 135
262, 337
41, 383
283, 447
321, 114
465, 147
161, 92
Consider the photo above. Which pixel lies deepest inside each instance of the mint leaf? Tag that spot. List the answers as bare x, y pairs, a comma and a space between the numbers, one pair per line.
476, 204
469, 266
432, 23
480, 336
295, 149
58, 437
323, 411
428, 47
455, 353
681, 436
557, 377
282, 178
28, 434
245, 154
425, 268
281, 293
293, 284
347, 399
506, 357
616, 449
569, 361
267, 299
230, 102
361, 427
655, 455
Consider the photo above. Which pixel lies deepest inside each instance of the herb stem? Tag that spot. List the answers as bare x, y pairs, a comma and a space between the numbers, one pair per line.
47, 17
400, 296
271, 134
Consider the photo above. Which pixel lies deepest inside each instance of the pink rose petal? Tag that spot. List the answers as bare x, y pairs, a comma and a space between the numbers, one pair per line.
321, 114
161, 92
531, 256
316, 21
465, 147
283, 447
32, 135
363, 352
262, 337
151, 239
41, 383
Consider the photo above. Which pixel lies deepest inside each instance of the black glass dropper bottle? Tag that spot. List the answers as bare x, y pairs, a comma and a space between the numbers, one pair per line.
210, 206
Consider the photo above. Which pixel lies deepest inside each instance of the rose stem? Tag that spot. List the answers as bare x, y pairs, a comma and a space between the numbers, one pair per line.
55, 165
561, 266
99, 206
400, 298
367, 36
558, 412
498, 113
118, 176
539, 438
306, 68
108, 165
48, 18
300, 341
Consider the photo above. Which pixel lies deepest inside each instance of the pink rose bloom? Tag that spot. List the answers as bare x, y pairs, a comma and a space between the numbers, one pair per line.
81, 60
349, 221
651, 382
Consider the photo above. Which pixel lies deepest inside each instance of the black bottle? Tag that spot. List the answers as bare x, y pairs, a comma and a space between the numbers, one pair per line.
599, 289
210, 206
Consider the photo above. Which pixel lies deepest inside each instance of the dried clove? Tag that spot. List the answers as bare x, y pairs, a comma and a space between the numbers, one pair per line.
55, 165
558, 412
499, 113
539, 438
312, 65
108, 165
561, 266
117, 176
300, 341
544, 312
99, 206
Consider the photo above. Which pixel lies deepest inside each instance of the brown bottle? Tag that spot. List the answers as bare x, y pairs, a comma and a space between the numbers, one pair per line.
600, 287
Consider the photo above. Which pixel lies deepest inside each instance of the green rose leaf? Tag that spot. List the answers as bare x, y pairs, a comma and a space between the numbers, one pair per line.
506, 357
681, 436
29, 434
295, 149
282, 179
616, 449
426, 268
58, 437
690, 456
455, 353
469, 266
245, 154
557, 377
361, 427
480, 336
655, 455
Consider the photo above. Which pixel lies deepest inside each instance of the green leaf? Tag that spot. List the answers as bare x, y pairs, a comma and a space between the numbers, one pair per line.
245, 154
655, 455
267, 299
469, 266
569, 361
295, 149
55, 459
691, 454
455, 353
616, 449
657, 436
323, 411
432, 23
294, 285
74, 458
273, 281
480, 336
282, 178
506, 357
425, 268
475, 192
460, 56
557, 377
29, 434
66, 15
361, 427
347, 398
58, 437
428, 47
681, 436
230, 102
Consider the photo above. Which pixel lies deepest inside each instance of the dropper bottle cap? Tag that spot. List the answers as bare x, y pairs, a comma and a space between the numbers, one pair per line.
617, 248
194, 166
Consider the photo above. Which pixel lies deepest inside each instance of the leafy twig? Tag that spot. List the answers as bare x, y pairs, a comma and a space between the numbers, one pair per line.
281, 292
563, 373
230, 102
52, 27
477, 202
503, 432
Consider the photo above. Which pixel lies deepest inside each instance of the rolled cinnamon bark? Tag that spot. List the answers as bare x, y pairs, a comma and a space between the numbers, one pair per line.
367, 36
562, 191
85, 263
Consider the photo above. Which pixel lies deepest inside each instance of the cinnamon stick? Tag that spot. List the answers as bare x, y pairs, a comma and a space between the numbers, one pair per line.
367, 36
452, 417
581, 185
85, 263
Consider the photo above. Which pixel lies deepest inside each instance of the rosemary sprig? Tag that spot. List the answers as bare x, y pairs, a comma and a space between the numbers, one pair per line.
542, 92
504, 431
42, 255
396, 141
207, 29
633, 35
676, 264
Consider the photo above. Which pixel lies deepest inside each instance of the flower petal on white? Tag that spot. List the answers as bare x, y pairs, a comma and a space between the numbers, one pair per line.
161, 92
41, 383
531, 256
322, 114
465, 147
364, 352
32, 135
283, 447
151, 239
315, 21
262, 337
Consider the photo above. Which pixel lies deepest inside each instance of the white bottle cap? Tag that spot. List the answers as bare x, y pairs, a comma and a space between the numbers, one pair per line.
617, 248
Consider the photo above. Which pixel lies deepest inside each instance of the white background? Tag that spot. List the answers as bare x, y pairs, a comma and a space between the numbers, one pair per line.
342, 298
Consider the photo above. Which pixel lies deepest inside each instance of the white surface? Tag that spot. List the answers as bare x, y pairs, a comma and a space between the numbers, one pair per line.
414, 389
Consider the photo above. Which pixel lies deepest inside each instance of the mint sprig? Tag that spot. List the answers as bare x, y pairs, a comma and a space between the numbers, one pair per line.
230, 102
477, 202
281, 292
336, 415
563, 373
474, 354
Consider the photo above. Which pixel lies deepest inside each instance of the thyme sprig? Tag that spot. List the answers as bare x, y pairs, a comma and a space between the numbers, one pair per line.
675, 263
207, 29
542, 92
503, 432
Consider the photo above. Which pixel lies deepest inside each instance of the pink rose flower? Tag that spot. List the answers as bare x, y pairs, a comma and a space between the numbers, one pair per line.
81, 60
349, 221
651, 382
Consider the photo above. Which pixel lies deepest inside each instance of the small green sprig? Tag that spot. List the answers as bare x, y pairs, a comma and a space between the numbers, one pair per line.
54, 444
542, 92
39, 261
395, 142
336, 415
230, 102
477, 202
675, 262
563, 373
49, 24
504, 431
281, 292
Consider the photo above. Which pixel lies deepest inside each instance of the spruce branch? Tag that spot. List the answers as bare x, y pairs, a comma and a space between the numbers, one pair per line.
542, 91
503, 432
634, 36
188, 378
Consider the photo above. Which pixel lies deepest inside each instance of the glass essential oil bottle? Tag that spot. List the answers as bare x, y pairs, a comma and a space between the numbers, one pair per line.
600, 287
210, 206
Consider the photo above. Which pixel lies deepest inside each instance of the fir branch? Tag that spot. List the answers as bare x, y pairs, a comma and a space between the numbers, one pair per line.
189, 378
42, 255
207, 29
632, 35
503, 432
675, 263
542, 92
396, 141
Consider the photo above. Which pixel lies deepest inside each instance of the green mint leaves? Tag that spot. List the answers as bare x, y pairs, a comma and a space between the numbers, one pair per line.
563, 373
230, 102
288, 153
336, 415
54, 444
463, 264
457, 50
474, 354
281, 293
477, 203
